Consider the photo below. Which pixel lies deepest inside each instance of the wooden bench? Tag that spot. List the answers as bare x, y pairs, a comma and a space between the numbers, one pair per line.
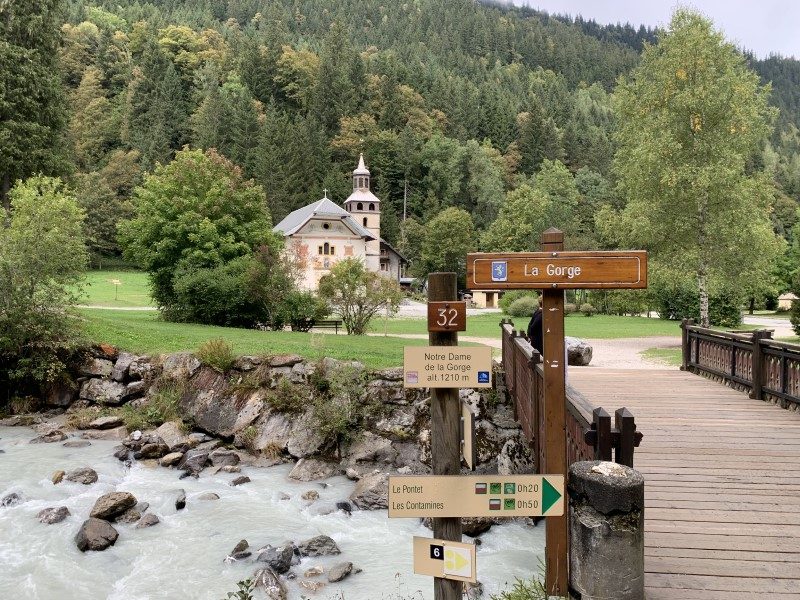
307, 324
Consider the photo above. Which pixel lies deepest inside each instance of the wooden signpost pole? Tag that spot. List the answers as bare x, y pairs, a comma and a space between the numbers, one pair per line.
445, 431
556, 551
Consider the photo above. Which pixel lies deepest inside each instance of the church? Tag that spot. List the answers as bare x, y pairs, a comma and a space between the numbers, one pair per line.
322, 233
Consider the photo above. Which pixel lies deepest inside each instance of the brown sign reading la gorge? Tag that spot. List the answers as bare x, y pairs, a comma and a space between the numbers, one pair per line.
565, 270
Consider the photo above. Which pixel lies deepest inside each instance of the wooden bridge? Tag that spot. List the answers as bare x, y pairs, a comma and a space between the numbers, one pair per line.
721, 469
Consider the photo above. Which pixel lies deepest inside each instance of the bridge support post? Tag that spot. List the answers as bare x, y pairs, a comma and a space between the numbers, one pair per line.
757, 366
606, 521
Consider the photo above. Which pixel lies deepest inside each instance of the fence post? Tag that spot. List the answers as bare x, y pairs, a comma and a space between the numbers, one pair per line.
757, 367
626, 437
685, 347
534, 400
601, 421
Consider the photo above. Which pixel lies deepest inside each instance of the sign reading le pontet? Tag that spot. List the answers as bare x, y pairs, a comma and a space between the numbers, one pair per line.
447, 367
563, 270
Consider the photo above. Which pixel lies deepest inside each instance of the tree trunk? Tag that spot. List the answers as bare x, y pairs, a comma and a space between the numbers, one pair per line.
5, 186
702, 266
752, 304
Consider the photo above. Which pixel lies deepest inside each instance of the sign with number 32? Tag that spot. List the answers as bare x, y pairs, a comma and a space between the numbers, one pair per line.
447, 316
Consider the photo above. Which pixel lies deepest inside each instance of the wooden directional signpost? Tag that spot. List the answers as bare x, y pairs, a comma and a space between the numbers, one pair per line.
553, 270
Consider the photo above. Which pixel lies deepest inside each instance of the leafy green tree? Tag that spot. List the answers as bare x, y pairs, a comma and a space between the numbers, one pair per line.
689, 118
32, 111
357, 294
42, 259
448, 238
197, 212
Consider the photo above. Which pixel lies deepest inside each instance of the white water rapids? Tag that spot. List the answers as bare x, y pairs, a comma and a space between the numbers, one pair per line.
182, 557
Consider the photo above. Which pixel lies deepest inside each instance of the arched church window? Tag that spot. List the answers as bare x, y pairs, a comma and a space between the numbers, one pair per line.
372, 206
359, 206
326, 248
365, 221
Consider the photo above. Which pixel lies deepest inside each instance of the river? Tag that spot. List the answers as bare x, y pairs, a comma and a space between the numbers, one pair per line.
182, 557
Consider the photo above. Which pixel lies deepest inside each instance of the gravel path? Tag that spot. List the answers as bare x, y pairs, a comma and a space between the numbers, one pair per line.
781, 325
625, 353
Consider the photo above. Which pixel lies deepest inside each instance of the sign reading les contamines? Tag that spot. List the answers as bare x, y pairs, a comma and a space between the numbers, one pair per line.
564, 270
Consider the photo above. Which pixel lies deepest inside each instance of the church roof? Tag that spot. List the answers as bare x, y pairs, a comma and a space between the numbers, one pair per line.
393, 249
361, 195
322, 209
361, 169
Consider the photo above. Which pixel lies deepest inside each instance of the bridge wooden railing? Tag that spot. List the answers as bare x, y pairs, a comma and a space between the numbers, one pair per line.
590, 435
749, 361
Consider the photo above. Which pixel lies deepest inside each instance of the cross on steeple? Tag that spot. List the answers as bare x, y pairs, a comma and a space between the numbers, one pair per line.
326, 192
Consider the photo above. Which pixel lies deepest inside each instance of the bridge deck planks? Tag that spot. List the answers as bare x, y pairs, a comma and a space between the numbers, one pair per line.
722, 484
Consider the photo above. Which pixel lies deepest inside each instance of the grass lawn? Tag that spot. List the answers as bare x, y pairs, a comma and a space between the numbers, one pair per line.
143, 332
597, 327
667, 356
133, 290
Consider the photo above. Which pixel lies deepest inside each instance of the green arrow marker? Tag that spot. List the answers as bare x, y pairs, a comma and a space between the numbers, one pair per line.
550, 495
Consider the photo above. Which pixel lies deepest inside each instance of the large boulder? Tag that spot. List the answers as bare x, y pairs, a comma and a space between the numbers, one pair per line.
194, 460
141, 369
515, 458
61, 393
370, 448
147, 520
172, 434
95, 534
320, 545
110, 506
278, 558
305, 438
120, 370
311, 469
171, 459
339, 571
181, 365
269, 583
222, 458
579, 352
84, 475
50, 516
55, 435
399, 423
371, 492
96, 367
154, 449
103, 391
108, 422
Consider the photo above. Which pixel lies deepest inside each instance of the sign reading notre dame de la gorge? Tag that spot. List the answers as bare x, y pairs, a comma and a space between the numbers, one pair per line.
563, 270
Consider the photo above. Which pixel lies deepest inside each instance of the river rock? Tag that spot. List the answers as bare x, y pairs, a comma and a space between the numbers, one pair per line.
140, 369
171, 459
134, 389
121, 452
305, 437
311, 469
285, 360
56, 435
114, 435
399, 423
230, 469
172, 434
344, 507
84, 475
147, 520
96, 367
313, 571
106, 422
579, 352
103, 391
320, 545
194, 460
57, 477
120, 370
95, 534
129, 516
155, 449
241, 546
279, 558
110, 506
371, 448
180, 501
339, 571
240, 480
247, 363
515, 458
267, 580
311, 495
181, 365
208, 496
77, 444
371, 492
11, 499
221, 458
49, 516
105, 351
61, 393
313, 586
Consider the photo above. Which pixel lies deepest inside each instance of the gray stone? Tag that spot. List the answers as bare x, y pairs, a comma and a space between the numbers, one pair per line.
103, 391
77, 444
299, 373
230, 469
57, 477
344, 507
240, 547
311, 469
120, 370
147, 520
50, 516
608, 487
134, 389
180, 501
153, 449
84, 475
141, 369
247, 363
207, 496
113, 435
240, 480
305, 438
221, 458
56, 435
95, 534
393, 374
194, 460
171, 459
320, 545
268, 581
339, 571
181, 365
106, 422
285, 360
579, 352
371, 448
503, 416
515, 458
96, 367
121, 452
11, 499
129, 516
172, 434
279, 559
398, 424
310, 495
61, 393
371, 492
110, 506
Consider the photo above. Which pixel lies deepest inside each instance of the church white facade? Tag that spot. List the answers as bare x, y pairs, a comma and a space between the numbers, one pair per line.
322, 233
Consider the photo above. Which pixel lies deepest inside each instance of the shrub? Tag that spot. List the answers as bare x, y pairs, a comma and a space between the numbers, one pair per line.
299, 308
217, 353
22, 405
587, 309
248, 438
523, 307
523, 590
80, 418
508, 298
244, 591
795, 316
162, 405
569, 308
287, 397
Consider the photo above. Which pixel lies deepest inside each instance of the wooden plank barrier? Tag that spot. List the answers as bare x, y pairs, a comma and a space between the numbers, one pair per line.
752, 361
590, 435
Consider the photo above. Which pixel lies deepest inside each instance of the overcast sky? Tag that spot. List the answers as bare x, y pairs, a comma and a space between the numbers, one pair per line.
763, 26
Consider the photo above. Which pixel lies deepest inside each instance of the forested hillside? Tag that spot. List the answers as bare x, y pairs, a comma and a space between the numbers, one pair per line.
458, 104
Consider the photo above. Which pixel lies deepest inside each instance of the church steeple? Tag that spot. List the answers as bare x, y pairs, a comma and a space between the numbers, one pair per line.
361, 175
